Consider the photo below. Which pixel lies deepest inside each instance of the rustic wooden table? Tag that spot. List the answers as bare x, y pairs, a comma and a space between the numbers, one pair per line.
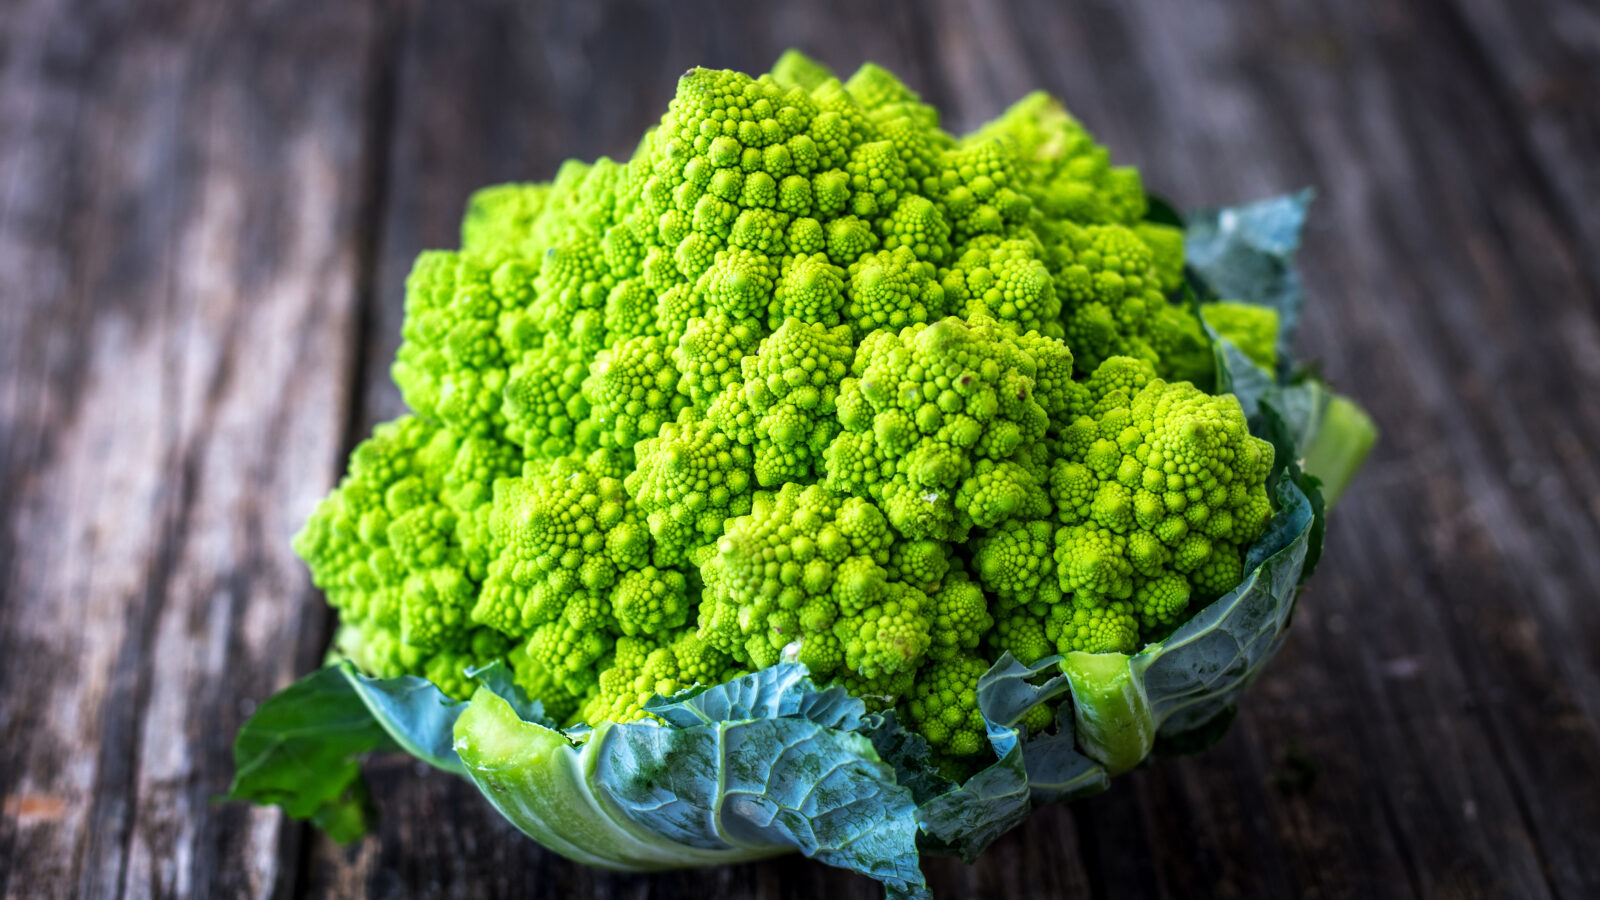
207, 210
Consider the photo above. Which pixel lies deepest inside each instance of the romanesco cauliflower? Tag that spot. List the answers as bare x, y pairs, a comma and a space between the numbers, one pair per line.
806, 377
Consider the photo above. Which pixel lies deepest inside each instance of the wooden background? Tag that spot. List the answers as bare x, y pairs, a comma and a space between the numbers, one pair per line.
207, 210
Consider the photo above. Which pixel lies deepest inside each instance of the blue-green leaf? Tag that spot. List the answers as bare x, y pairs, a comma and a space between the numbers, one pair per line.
965, 821
782, 691
741, 771
1122, 704
498, 677
421, 718
1246, 380
908, 752
415, 713
1048, 768
1333, 434
1246, 253
1204, 666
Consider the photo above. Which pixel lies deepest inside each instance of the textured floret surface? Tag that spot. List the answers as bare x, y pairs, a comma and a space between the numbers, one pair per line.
806, 378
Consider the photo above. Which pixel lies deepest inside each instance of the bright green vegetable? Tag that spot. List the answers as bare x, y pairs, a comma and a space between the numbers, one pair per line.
906, 466
1251, 327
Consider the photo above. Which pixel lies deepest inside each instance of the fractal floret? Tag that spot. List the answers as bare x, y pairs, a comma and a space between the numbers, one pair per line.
883, 453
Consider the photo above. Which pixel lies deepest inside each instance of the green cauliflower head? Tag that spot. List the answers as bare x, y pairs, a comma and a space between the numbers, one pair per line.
805, 377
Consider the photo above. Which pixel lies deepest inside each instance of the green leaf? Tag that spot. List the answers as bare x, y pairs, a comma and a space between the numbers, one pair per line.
421, 718
1161, 212
1311, 487
1333, 434
1011, 689
538, 780
1115, 722
1345, 435
741, 771
301, 751
498, 677
1302, 404
351, 817
1057, 770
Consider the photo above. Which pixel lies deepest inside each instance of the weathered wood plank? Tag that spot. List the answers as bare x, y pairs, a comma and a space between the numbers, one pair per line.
1541, 63
1484, 371
177, 232
1496, 315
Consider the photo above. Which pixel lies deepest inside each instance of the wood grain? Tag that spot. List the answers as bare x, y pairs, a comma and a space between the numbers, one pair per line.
181, 201
207, 212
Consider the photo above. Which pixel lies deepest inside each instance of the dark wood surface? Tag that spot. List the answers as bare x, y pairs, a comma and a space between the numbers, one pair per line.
207, 211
